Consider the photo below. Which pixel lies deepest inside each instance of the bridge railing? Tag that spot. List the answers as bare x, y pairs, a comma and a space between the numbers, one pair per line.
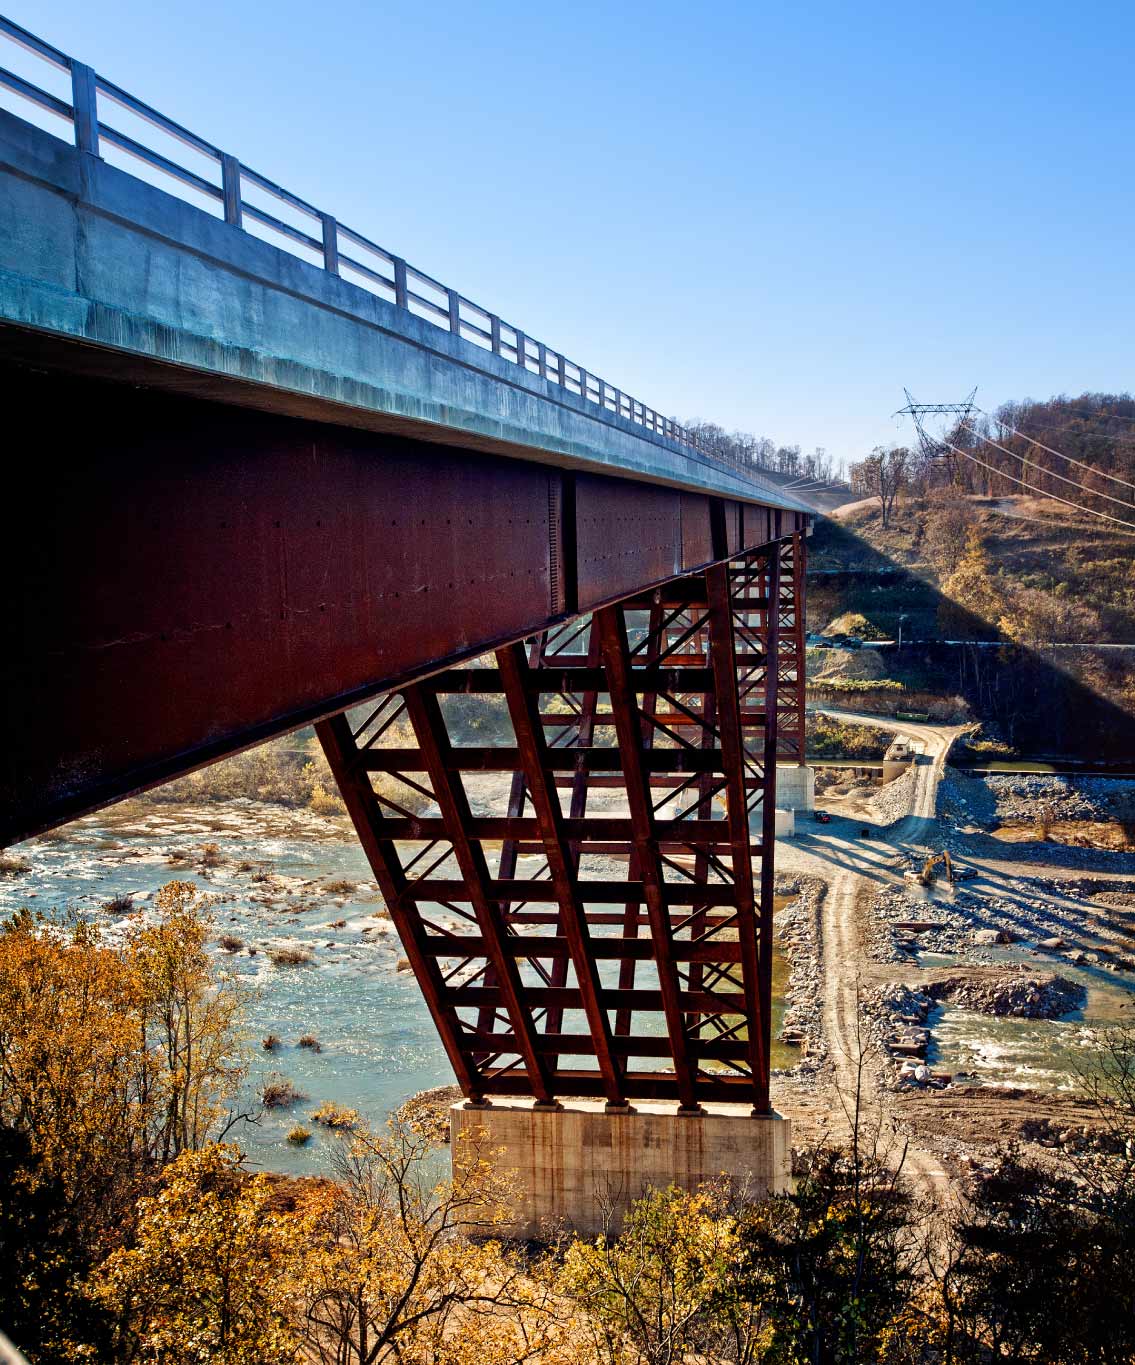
107, 121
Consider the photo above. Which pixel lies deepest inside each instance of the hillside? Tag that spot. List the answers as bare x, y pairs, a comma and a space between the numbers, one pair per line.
1044, 594
1084, 569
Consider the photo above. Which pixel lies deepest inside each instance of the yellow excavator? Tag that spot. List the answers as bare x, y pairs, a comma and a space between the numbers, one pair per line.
928, 874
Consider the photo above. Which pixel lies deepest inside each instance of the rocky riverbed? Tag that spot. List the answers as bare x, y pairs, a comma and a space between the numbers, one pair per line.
1041, 916
988, 800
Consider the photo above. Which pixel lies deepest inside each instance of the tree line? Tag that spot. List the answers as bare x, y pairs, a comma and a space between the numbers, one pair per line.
760, 453
1096, 430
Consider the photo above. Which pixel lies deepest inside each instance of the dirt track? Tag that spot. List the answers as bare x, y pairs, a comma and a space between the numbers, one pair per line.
855, 868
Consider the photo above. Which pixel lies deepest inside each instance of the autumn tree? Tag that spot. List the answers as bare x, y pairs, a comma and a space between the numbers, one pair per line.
207, 1277
189, 1027
112, 1059
399, 1267
882, 475
664, 1288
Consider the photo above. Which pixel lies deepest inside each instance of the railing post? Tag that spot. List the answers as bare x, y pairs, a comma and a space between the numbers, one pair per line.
330, 244
454, 311
582, 382
542, 359
230, 188
521, 348
401, 294
84, 103
495, 333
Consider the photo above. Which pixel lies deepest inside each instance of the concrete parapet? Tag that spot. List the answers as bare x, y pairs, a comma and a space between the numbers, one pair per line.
570, 1165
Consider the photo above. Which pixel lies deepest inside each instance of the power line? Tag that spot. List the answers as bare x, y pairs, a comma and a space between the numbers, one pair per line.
1104, 516
1090, 468
1051, 473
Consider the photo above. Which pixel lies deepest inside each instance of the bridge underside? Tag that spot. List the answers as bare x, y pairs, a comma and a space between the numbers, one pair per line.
588, 905
185, 578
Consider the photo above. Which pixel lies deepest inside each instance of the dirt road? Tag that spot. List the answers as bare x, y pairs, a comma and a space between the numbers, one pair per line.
854, 867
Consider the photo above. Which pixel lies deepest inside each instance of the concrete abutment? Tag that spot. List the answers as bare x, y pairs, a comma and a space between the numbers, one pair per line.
570, 1165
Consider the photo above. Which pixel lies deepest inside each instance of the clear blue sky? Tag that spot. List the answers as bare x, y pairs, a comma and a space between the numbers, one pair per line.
770, 215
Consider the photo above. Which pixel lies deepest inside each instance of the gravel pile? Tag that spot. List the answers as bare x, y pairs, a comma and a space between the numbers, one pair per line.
893, 802
798, 932
965, 800
1068, 798
1017, 996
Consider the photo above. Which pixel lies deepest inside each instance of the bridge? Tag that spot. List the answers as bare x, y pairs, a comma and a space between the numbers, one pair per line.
266, 473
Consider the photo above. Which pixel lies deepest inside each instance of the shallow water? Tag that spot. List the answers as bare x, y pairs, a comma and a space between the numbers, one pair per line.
379, 1044
1042, 1054
271, 887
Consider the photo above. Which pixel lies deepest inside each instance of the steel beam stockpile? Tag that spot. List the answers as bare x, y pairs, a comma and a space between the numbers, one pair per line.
595, 929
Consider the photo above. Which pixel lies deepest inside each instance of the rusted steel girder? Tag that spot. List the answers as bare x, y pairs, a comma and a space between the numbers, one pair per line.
187, 578
614, 940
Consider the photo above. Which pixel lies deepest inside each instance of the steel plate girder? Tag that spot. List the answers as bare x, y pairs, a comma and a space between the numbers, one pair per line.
187, 578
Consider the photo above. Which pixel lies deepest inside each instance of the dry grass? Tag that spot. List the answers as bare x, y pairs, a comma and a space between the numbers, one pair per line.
120, 905
279, 1092
341, 887
230, 943
290, 957
11, 866
335, 1116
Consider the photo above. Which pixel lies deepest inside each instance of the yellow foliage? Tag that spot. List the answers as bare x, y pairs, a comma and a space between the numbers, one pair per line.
206, 1280
113, 1060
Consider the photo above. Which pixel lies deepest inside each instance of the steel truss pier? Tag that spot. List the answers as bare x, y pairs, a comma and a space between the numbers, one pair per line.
588, 905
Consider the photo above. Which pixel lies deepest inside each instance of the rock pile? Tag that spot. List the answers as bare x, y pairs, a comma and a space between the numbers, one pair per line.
798, 933
1024, 796
893, 802
897, 1017
1068, 1137
1017, 996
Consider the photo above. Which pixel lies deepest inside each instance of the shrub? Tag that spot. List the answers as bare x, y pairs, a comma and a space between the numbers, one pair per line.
230, 943
341, 887
278, 1092
323, 802
290, 957
299, 1136
120, 905
11, 866
311, 1042
270, 1043
336, 1116
211, 855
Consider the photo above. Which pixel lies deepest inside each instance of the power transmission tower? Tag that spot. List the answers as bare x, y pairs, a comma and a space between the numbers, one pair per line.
938, 453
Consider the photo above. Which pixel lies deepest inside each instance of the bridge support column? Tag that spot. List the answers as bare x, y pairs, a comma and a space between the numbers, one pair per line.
576, 848
583, 1166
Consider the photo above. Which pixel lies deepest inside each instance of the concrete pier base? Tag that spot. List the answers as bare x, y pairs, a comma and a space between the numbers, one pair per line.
570, 1165
796, 786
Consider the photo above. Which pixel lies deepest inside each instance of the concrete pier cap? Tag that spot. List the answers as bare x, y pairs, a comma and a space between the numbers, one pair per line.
582, 1164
